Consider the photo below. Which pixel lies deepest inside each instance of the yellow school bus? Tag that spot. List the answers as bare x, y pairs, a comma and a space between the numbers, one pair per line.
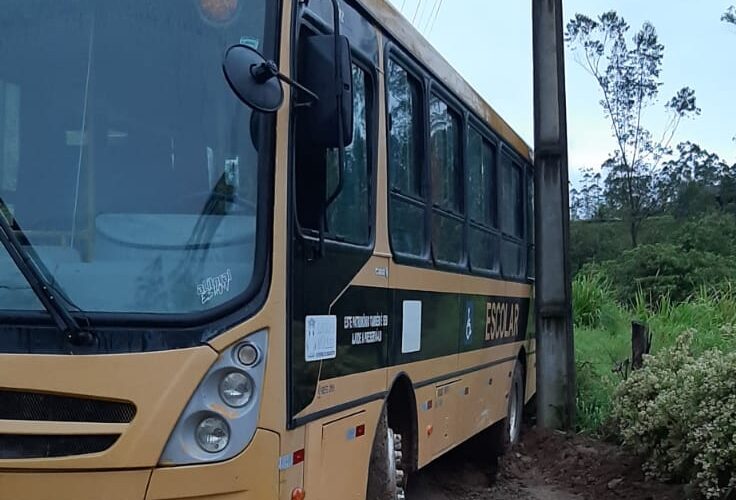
251, 249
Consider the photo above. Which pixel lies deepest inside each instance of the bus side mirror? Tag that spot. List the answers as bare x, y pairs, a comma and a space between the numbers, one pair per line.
254, 80
328, 74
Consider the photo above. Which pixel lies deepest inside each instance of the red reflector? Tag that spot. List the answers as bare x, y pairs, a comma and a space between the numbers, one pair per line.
360, 430
298, 456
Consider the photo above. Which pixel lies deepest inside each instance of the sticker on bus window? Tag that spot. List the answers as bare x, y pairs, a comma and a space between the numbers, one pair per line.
214, 286
411, 331
320, 338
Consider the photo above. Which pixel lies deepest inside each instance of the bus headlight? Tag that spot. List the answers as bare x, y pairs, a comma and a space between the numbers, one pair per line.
221, 417
236, 389
213, 434
248, 354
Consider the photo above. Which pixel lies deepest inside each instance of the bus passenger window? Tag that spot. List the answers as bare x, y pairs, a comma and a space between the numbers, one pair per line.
514, 251
512, 199
447, 186
530, 222
483, 240
481, 180
405, 148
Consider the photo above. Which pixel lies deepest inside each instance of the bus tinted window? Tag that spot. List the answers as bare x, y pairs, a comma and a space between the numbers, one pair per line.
405, 153
447, 188
530, 221
349, 215
405, 134
481, 180
445, 156
512, 199
483, 240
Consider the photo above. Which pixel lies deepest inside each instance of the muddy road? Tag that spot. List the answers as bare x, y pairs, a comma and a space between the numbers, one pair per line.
545, 466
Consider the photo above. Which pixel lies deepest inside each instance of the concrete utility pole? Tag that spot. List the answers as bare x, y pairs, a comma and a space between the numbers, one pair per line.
555, 351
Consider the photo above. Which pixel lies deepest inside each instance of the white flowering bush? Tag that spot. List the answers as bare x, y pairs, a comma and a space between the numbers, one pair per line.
679, 413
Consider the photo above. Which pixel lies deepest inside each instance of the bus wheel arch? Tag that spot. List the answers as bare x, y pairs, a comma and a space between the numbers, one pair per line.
522, 359
401, 408
393, 454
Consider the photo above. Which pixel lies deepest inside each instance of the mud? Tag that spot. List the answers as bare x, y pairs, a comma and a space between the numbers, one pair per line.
544, 466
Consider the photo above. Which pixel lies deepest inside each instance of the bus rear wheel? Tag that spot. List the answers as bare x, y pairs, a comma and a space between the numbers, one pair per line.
386, 478
507, 433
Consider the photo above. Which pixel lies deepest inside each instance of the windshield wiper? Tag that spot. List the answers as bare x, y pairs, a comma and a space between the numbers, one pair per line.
47, 294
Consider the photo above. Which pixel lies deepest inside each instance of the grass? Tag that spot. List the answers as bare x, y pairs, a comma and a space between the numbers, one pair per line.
710, 313
603, 337
599, 354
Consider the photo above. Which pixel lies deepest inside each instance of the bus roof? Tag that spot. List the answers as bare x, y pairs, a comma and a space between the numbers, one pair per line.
404, 32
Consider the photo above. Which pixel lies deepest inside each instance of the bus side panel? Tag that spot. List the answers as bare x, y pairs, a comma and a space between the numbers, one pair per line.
462, 364
448, 416
338, 453
483, 401
454, 410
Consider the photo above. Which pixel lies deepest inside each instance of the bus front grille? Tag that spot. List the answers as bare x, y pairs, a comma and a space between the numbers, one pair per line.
16, 405
15, 446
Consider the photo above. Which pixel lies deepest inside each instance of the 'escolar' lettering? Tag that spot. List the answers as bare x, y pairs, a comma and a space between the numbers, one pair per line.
502, 320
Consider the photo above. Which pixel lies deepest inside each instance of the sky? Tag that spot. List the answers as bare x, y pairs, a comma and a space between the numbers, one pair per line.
489, 42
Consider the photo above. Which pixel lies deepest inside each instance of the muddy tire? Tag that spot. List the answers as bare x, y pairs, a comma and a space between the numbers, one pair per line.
508, 432
386, 480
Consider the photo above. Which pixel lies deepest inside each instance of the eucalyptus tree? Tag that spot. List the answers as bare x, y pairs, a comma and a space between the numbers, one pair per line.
628, 74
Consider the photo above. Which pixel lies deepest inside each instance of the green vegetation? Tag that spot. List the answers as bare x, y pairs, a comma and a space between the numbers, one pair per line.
653, 239
679, 413
603, 336
681, 278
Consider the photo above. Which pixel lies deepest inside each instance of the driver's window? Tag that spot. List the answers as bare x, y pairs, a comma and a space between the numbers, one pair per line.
348, 217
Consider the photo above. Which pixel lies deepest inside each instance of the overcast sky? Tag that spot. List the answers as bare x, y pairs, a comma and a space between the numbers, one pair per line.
489, 44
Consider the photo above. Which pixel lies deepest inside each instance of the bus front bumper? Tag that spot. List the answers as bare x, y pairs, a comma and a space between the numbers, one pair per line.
252, 475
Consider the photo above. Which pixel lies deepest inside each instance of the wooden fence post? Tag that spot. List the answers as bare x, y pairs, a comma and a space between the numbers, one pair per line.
641, 343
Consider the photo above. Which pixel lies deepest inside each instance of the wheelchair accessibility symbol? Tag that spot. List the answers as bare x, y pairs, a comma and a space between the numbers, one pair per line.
468, 322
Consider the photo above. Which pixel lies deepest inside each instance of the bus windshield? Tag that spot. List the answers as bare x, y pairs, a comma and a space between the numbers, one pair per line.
128, 168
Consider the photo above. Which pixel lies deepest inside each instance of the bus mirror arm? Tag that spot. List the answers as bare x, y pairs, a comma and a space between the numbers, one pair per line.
268, 70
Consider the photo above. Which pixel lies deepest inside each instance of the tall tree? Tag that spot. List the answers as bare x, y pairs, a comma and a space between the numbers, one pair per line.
730, 15
694, 182
587, 199
628, 75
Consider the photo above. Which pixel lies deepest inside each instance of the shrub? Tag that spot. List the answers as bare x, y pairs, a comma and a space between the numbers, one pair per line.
714, 233
679, 414
596, 242
666, 271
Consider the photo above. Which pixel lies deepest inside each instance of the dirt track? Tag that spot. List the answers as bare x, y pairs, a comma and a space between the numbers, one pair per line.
543, 467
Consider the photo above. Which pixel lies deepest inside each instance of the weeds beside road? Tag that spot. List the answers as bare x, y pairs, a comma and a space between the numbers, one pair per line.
679, 412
